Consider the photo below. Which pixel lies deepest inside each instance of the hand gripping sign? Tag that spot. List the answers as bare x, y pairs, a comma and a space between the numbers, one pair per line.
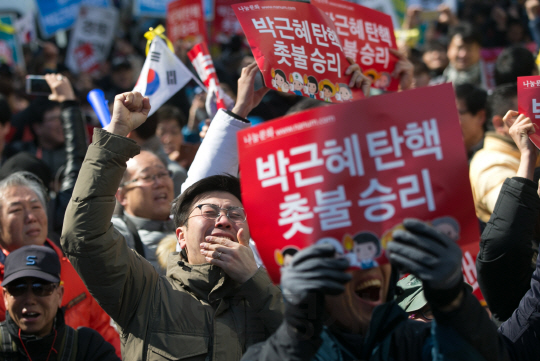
529, 102
366, 36
349, 174
297, 49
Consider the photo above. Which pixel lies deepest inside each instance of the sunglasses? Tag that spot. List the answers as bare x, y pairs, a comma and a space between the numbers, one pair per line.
40, 289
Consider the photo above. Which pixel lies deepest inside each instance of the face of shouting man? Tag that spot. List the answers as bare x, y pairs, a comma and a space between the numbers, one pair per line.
199, 226
351, 311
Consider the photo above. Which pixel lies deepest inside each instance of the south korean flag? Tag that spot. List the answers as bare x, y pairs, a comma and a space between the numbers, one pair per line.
162, 75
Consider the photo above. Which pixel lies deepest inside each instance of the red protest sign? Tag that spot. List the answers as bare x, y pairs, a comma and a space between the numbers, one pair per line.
297, 49
86, 59
366, 36
529, 102
225, 23
185, 21
325, 175
203, 64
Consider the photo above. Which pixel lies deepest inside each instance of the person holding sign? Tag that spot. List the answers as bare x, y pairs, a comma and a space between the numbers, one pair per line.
363, 322
215, 302
504, 261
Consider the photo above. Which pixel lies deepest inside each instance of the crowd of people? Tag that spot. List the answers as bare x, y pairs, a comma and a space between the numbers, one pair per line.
131, 241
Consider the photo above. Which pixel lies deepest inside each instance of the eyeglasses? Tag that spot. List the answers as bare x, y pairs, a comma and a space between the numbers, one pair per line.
40, 289
149, 179
213, 212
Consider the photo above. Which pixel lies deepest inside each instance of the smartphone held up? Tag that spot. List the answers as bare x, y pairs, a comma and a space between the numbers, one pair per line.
37, 85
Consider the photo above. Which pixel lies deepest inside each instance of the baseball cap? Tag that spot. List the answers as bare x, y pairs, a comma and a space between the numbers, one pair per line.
32, 261
410, 294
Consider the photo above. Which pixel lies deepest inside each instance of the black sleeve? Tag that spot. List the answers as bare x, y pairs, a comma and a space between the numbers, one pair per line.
469, 323
76, 144
505, 261
521, 330
91, 346
284, 345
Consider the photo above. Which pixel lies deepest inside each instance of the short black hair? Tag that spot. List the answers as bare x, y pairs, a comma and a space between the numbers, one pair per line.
419, 67
311, 79
182, 206
367, 237
167, 112
467, 32
513, 62
305, 104
501, 101
5, 111
281, 73
291, 251
475, 98
147, 129
434, 45
39, 107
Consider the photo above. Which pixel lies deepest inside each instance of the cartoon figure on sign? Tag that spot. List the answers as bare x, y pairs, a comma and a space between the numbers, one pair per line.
365, 248
387, 235
344, 93
327, 89
283, 257
373, 74
448, 226
297, 83
311, 87
383, 81
279, 80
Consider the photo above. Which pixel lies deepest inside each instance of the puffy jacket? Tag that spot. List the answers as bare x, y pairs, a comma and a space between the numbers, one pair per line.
196, 312
81, 309
490, 166
505, 262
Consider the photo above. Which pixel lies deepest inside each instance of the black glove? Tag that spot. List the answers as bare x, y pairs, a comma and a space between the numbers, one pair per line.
432, 257
312, 274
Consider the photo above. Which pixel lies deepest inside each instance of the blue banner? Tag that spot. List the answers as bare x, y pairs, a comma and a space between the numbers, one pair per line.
55, 15
150, 8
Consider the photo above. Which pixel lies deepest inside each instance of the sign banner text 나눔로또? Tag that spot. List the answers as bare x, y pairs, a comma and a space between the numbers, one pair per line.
366, 36
297, 49
349, 174
529, 102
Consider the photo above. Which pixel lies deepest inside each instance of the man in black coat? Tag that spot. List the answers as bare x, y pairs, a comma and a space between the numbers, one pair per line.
34, 328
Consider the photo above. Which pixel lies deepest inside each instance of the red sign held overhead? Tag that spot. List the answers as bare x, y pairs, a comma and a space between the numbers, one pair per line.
203, 64
324, 175
366, 36
225, 24
529, 102
185, 21
297, 49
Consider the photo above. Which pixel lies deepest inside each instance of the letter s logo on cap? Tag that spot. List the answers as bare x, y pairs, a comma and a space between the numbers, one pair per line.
30, 260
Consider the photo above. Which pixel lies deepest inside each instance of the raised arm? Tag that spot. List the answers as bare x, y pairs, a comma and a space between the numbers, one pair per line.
116, 276
504, 262
75, 135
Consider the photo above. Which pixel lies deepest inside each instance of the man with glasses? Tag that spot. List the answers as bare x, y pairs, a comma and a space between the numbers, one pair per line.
214, 302
146, 193
34, 327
